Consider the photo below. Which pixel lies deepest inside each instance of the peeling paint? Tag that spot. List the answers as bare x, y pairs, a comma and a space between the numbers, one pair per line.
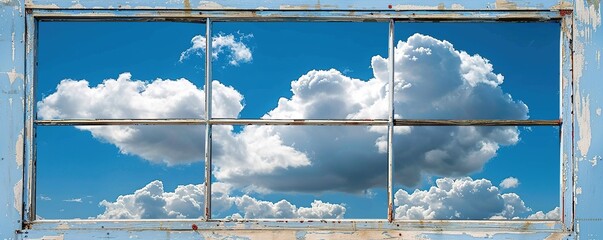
598, 57
555, 236
13, 45
60, 237
49, 6
414, 7
595, 160
583, 117
18, 192
578, 190
598, 111
77, 5
563, 5
63, 226
13, 75
588, 13
505, 4
456, 6
19, 150
210, 5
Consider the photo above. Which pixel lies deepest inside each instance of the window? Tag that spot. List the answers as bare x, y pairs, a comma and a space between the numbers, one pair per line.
301, 123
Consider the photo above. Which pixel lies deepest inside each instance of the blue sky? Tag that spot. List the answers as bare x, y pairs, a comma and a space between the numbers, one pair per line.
77, 171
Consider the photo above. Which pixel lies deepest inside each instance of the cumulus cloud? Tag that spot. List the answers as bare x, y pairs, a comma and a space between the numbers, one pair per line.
237, 51
432, 80
152, 201
462, 198
554, 214
126, 98
509, 182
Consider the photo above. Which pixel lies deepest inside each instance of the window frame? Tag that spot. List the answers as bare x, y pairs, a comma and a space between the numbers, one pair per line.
566, 123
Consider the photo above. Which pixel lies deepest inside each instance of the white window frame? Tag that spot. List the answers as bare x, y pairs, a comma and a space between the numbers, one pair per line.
388, 223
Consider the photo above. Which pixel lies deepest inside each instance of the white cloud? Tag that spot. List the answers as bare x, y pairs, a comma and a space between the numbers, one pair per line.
462, 198
554, 214
127, 98
238, 52
509, 182
433, 80
79, 200
152, 201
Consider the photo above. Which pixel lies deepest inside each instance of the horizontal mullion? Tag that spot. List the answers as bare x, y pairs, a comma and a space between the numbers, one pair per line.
95, 122
319, 122
480, 122
362, 122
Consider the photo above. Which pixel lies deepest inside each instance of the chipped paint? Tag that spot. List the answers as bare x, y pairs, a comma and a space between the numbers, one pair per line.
19, 150
588, 13
505, 4
18, 193
13, 75
555, 236
595, 160
578, 190
598, 111
63, 226
583, 117
13, 45
414, 7
210, 5
60, 237
77, 5
598, 57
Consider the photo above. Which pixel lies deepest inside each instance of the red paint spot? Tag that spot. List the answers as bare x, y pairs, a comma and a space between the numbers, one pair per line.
565, 12
389, 6
195, 227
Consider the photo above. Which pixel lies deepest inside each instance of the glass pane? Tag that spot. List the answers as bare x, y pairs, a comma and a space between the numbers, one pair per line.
301, 172
119, 70
295, 70
477, 70
477, 173
120, 172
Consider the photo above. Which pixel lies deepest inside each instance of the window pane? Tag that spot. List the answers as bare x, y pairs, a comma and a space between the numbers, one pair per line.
119, 70
477, 70
307, 172
295, 70
120, 172
477, 173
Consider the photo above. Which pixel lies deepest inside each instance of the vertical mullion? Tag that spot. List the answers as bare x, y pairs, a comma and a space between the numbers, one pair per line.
208, 130
390, 126
29, 168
